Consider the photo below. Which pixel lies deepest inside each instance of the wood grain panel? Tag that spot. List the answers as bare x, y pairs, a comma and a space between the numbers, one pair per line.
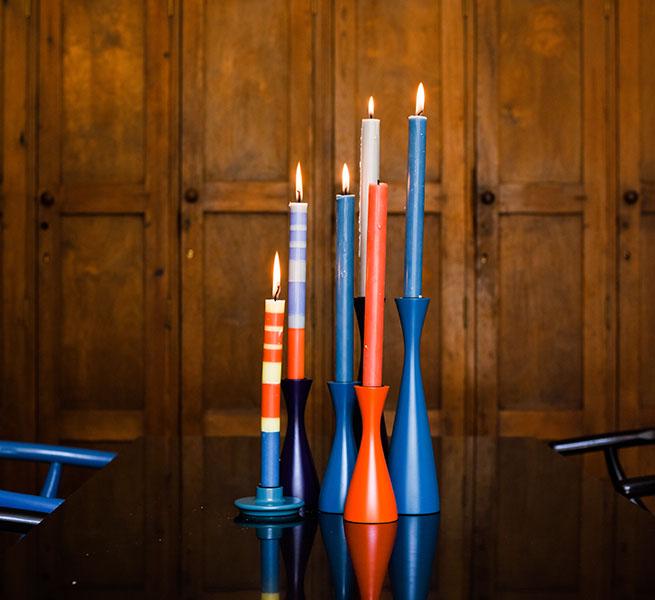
234, 291
646, 89
540, 313
103, 112
399, 45
247, 78
393, 339
102, 276
647, 316
539, 80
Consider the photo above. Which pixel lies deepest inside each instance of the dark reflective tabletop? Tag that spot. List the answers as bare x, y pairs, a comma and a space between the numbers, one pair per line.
517, 521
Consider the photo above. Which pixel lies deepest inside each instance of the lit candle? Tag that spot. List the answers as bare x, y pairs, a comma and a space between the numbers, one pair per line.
271, 375
297, 279
369, 172
344, 280
415, 199
375, 272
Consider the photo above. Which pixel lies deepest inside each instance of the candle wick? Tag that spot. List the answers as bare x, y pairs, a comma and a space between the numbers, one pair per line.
378, 182
419, 113
277, 293
297, 196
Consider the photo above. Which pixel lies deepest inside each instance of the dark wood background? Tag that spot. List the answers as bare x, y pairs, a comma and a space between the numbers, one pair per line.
128, 310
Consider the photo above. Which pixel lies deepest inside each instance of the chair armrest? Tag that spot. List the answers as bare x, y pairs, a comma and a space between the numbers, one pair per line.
81, 457
603, 441
639, 487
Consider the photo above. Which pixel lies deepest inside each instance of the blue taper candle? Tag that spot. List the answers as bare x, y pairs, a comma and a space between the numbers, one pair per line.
415, 199
345, 275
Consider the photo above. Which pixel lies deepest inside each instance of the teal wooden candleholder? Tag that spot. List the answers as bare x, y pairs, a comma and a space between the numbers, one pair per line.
411, 457
343, 455
269, 504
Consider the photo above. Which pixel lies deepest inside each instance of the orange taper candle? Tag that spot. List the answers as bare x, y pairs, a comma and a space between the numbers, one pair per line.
376, 250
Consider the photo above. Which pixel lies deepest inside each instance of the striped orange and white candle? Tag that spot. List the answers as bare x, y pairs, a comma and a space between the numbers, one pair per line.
271, 376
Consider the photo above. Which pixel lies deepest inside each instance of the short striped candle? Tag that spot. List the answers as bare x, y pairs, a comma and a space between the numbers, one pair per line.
271, 376
297, 281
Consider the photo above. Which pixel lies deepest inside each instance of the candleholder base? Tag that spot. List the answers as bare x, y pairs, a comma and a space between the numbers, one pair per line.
360, 310
370, 495
269, 504
411, 457
297, 471
343, 455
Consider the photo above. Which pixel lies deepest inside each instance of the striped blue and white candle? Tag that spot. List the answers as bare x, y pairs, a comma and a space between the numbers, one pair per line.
297, 281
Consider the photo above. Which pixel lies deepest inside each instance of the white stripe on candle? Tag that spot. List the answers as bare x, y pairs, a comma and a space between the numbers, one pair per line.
270, 424
297, 321
272, 346
275, 328
271, 372
297, 270
297, 244
274, 306
297, 227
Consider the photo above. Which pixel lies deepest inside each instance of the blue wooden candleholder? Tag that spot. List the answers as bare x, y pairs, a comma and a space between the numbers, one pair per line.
343, 455
336, 547
410, 568
269, 504
411, 457
360, 309
297, 471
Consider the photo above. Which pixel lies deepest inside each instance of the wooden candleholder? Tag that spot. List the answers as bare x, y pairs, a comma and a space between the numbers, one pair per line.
297, 471
370, 495
336, 547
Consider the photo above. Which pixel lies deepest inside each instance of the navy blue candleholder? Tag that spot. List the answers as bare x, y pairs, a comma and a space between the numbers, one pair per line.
297, 471
360, 309
336, 547
411, 457
410, 568
343, 455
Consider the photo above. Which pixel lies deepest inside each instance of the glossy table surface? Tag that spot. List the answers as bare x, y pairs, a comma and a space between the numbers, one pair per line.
517, 521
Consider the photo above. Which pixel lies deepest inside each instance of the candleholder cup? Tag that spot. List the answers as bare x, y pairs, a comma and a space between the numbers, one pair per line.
297, 471
411, 457
370, 496
360, 309
343, 455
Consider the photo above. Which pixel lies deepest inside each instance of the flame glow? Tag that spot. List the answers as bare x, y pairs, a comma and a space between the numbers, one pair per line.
298, 183
276, 276
345, 179
371, 107
420, 99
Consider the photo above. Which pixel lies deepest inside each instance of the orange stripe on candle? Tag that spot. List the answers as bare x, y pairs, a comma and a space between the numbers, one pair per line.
273, 318
272, 355
270, 400
296, 356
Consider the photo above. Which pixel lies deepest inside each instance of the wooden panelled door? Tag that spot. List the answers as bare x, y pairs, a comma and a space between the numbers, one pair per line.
243, 130
104, 228
635, 202
542, 261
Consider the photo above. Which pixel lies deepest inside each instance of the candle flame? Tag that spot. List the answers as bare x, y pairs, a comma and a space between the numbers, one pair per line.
371, 107
276, 276
345, 179
420, 99
298, 183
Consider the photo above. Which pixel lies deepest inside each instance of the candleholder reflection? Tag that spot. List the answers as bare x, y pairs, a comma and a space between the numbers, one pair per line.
410, 569
370, 547
341, 568
296, 544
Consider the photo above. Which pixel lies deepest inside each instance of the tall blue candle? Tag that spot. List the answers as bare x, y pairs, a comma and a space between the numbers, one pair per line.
415, 199
345, 274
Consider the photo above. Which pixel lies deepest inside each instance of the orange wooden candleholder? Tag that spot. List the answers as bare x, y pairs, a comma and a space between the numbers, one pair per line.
370, 495
370, 547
